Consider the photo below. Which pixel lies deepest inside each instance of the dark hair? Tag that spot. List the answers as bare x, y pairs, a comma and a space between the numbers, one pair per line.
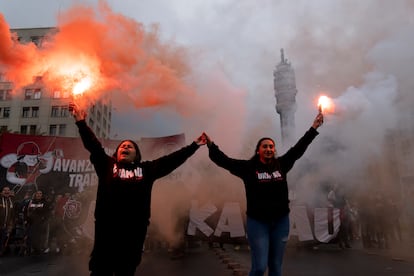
255, 155
138, 155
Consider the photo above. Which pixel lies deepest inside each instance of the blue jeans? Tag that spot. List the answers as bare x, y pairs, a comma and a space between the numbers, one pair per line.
267, 241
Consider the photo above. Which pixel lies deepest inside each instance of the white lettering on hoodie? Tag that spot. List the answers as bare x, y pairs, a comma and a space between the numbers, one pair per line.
263, 176
127, 174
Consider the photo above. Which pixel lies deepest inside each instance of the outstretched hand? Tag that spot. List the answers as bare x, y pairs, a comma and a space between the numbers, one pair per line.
208, 140
318, 121
77, 113
201, 140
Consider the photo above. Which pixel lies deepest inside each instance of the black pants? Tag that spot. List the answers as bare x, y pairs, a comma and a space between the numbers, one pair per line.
117, 255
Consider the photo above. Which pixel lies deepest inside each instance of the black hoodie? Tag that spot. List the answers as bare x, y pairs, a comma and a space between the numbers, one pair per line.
265, 184
124, 190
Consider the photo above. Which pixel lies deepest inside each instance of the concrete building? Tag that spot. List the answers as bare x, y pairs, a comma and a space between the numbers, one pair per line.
285, 93
38, 110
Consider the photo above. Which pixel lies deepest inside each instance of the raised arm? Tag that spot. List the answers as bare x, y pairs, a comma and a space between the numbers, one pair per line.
295, 152
234, 166
89, 139
166, 164
318, 121
77, 113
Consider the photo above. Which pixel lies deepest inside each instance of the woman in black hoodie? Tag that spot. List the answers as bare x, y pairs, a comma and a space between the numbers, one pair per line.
123, 199
264, 177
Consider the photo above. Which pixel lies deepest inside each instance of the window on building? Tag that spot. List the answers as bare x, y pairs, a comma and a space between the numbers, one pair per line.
3, 129
23, 129
32, 94
66, 94
25, 112
52, 130
91, 123
32, 130
28, 94
6, 112
98, 116
28, 112
37, 93
35, 111
64, 111
62, 130
54, 111
56, 94
5, 95
8, 96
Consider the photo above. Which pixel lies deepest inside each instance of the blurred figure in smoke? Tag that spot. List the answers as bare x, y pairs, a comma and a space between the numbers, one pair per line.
338, 199
355, 226
367, 213
123, 195
265, 181
7, 217
381, 225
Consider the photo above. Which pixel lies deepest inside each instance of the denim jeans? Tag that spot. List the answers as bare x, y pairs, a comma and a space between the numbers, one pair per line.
267, 241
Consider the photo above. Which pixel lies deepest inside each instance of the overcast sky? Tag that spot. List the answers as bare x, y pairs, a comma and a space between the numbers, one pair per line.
357, 52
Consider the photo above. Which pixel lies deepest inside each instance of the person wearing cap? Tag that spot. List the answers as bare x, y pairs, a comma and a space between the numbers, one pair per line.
123, 200
265, 181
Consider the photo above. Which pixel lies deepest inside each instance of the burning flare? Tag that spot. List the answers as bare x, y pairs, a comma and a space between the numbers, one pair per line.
325, 104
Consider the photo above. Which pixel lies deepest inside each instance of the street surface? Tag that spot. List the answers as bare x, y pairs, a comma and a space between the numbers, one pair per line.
322, 260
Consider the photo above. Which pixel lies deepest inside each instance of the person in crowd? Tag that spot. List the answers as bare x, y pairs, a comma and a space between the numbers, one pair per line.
338, 199
355, 225
394, 220
59, 212
38, 214
21, 229
123, 198
265, 181
381, 224
7, 217
50, 198
57, 234
367, 214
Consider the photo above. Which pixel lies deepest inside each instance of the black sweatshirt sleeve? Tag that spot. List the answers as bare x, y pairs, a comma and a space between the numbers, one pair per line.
164, 165
295, 152
90, 141
234, 166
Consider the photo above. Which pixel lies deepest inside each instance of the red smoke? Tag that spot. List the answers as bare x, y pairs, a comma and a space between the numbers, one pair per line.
117, 54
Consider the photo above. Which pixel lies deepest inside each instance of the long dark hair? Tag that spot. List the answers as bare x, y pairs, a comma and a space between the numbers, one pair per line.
256, 155
138, 155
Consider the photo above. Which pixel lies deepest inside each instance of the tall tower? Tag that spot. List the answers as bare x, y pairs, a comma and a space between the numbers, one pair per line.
285, 93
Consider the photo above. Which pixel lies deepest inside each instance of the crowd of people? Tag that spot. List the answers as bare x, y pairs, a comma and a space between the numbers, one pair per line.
38, 222
374, 219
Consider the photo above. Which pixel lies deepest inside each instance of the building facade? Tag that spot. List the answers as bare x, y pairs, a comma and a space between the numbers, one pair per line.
37, 110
